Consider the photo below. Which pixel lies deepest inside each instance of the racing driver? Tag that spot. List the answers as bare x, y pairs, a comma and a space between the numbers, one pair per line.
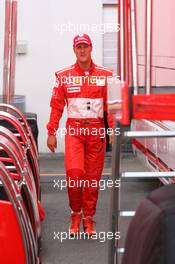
83, 88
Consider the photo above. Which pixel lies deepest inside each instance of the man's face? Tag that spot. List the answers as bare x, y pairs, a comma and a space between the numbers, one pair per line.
83, 52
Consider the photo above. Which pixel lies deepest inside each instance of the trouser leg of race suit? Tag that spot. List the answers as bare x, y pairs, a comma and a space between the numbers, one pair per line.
74, 163
94, 162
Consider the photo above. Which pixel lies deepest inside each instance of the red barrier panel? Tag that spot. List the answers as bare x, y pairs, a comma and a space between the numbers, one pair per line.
11, 249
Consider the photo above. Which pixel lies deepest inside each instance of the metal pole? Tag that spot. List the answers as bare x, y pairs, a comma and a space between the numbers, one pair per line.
141, 134
130, 74
13, 49
6, 51
126, 41
122, 71
134, 47
148, 74
148, 174
115, 198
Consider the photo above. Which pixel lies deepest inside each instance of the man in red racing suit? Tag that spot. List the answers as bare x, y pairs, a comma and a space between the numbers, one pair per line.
83, 88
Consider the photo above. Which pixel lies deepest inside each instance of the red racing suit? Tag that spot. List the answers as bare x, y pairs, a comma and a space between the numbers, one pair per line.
85, 94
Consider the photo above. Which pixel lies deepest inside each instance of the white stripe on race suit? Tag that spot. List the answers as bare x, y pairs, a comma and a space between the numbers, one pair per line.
78, 108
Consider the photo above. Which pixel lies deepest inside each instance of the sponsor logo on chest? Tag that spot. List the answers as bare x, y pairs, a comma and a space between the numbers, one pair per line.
74, 81
74, 89
97, 80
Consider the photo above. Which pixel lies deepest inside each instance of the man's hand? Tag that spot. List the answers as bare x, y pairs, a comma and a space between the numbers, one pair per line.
52, 142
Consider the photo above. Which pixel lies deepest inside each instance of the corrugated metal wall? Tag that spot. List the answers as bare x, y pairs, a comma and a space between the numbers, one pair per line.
110, 18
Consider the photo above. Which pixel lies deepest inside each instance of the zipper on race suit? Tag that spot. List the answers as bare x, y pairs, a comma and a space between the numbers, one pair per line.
87, 86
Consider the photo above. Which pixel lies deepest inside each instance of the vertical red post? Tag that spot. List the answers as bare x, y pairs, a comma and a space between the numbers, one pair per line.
130, 70
148, 52
6, 51
126, 41
13, 49
119, 37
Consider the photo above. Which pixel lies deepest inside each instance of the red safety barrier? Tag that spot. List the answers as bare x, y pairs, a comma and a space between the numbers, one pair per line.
153, 106
16, 234
24, 177
125, 120
150, 107
12, 249
20, 207
27, 141
14, 111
